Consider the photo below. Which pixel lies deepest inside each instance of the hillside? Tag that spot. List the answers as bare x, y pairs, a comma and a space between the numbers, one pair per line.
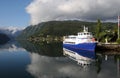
3, 38
29, 31
61, 28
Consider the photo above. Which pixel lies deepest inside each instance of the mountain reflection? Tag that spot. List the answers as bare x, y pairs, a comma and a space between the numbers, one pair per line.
53, 49
11, 47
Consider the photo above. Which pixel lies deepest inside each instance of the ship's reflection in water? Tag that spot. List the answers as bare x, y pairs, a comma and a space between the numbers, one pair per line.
45, 65
57, 67
81, 60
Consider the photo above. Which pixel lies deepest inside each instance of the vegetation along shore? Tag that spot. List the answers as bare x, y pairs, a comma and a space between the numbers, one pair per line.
104, 32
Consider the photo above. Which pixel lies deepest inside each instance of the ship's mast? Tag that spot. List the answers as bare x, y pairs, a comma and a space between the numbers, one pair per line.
85, 29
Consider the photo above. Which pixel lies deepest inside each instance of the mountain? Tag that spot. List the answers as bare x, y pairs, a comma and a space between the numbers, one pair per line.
11, 32
30, 30
3, 38
61, 28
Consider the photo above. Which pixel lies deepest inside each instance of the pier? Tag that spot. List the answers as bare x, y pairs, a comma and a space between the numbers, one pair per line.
110, 49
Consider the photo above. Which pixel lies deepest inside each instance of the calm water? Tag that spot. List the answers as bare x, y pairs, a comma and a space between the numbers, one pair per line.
46, 60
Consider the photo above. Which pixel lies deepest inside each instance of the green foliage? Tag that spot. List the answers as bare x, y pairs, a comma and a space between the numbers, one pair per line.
106, 30
29, 31
98, 29
102, 36
62, 28
118, 41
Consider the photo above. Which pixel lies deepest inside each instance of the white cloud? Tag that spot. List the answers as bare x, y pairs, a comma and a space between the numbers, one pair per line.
47, 10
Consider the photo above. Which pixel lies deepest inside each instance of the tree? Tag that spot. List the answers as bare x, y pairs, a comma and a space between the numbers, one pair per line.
98, 29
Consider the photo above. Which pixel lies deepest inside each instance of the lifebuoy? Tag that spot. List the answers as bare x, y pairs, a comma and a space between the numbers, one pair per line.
93, 39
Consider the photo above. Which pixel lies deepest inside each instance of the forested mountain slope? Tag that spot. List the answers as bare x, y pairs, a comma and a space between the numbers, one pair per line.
61, 28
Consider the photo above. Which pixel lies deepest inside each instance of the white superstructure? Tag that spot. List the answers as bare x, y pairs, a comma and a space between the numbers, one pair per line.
81, 37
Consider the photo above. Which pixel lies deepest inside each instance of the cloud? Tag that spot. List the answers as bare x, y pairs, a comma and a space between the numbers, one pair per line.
47, 10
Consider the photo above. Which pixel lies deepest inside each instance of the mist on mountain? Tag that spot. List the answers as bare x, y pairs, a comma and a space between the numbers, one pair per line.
11, 32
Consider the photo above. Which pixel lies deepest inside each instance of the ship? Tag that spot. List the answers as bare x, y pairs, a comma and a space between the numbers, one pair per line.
82, 44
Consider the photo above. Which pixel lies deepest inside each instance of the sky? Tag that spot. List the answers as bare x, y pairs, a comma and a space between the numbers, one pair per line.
13, 13
22, 13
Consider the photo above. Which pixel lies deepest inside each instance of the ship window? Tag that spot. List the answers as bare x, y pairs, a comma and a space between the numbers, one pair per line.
79, 33
84, 33
87, 33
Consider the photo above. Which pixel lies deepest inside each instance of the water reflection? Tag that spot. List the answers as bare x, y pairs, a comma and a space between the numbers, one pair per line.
11, 47
57, 67
46, 60
81, 60
108, 66
13, 61
53, 49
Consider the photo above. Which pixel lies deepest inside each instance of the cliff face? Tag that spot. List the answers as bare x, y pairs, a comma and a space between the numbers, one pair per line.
3, 38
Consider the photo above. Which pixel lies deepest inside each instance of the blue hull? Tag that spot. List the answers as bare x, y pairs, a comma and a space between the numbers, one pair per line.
84, 49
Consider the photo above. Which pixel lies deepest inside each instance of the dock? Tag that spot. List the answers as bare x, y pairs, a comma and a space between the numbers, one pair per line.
111, 49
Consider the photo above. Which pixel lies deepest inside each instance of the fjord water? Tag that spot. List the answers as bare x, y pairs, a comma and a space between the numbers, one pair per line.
46, 60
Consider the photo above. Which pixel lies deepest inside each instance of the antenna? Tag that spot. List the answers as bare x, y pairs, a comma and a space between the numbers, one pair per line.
85, 29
